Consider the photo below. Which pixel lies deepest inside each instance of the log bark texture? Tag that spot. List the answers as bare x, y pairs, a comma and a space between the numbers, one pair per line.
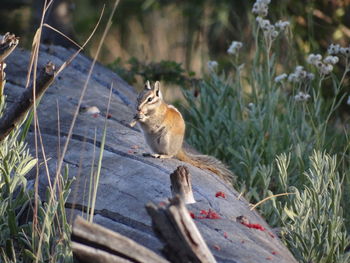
128, 180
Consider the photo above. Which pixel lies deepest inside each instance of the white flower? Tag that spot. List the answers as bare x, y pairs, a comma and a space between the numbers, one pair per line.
281, 77
234, 47
314, 59
331, 60
348, 101
301, 96
263, 23
333, 49
300, 74
324, 67
310, 76
282, 25
261, 8
345, 51
293, 77
212, 65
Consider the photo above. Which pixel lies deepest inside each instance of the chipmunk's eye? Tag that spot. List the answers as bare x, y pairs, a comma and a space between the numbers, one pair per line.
149, 99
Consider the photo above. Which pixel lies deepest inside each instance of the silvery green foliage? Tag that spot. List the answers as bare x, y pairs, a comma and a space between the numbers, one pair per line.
19, 239
15, 163
314, 225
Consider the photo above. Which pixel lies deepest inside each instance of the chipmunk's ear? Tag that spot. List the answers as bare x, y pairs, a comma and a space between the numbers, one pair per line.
148, 85
157, 89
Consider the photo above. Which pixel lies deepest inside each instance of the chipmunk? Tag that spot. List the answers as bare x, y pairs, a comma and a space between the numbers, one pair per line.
164, 130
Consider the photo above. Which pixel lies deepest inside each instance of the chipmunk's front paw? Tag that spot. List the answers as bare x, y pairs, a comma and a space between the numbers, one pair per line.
156, 155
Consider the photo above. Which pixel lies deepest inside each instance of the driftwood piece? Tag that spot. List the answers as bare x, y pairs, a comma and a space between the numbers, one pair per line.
7, 44
174, 226
18, 110
94, 243
181, 184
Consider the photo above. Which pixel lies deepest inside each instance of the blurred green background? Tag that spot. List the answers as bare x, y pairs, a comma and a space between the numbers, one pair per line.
187, 32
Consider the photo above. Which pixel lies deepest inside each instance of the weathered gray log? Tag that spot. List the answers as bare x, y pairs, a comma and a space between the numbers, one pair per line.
128, 180
14, 114
7, 44
181, 184
94, 243
173, 225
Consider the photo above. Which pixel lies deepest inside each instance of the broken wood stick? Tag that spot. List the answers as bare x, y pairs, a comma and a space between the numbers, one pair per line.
175, 227
17, 111
7, 44
181, 184
94, 243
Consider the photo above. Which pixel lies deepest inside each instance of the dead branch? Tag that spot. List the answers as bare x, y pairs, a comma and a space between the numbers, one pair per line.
176, 229
94, 243
181, 184
7, 44
17, 111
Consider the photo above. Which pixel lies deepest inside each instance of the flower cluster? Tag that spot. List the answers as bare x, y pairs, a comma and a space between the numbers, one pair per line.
300, 75
335, 49
301, 96
234, 47
324, 66
212, 65
261, 7
272, 31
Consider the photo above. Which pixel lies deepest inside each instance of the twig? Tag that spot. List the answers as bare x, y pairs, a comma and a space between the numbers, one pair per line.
17, 111
8, 43
181, 184
175, 227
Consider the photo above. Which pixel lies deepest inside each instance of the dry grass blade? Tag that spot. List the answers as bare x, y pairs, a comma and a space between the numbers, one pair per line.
59, 32
66, 63
268, 198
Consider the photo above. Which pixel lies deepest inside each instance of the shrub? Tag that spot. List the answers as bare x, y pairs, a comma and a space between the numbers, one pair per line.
250, 116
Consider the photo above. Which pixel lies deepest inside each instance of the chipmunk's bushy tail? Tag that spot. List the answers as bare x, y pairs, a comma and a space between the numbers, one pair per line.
207, 162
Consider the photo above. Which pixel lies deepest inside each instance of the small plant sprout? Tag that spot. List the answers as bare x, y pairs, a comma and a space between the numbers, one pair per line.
212, 65
234, 48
